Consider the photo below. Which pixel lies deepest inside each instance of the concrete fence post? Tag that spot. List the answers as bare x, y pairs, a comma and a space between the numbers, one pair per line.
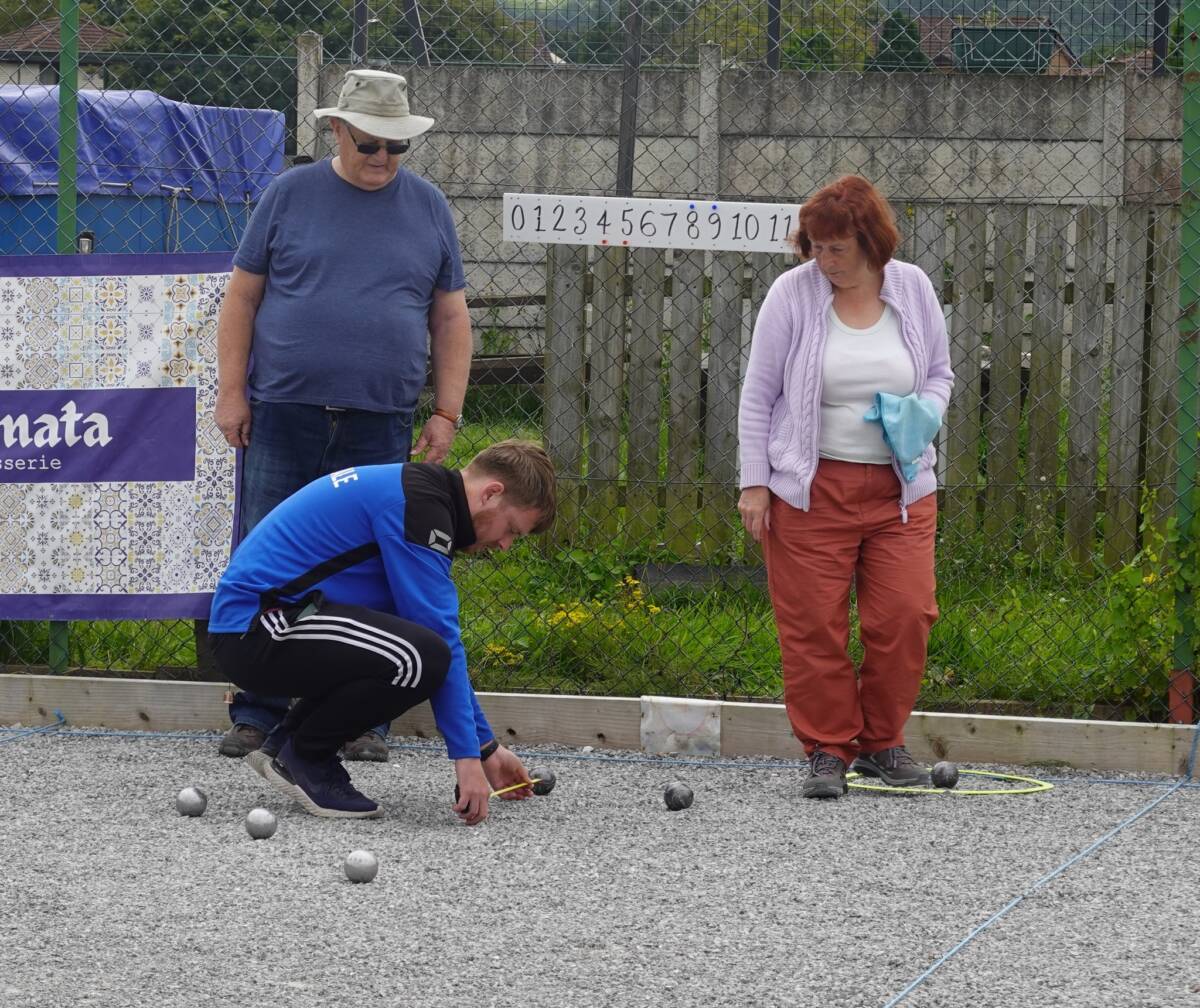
310, 55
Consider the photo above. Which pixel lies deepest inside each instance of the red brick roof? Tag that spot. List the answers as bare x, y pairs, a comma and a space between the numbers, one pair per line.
42, 36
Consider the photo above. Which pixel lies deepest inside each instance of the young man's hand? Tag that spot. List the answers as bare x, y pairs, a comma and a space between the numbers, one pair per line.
503, 769
473, 791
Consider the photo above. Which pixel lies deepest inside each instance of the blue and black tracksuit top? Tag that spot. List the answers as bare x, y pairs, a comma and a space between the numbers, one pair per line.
379, 536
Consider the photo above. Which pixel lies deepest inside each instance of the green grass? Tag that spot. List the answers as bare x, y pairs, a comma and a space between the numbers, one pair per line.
575, 621
1015, 630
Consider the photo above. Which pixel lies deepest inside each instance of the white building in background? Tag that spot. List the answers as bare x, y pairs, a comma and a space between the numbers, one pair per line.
29, 55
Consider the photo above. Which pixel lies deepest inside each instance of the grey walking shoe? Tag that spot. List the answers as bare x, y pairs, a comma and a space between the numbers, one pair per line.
894, 766
369, 747
240, 740
826, 776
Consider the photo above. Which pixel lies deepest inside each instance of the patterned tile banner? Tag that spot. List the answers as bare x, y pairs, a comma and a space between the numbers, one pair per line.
116, 489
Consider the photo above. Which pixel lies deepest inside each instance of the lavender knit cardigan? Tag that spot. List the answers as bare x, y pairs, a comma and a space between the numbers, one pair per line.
779, 421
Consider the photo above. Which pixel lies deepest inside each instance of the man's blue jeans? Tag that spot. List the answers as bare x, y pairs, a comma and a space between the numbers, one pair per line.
292, 444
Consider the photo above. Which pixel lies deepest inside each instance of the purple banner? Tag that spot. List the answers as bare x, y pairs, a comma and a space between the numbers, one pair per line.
98, 435
116, 264
106, 607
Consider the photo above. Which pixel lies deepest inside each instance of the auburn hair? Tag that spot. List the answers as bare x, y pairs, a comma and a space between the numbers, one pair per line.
849, 206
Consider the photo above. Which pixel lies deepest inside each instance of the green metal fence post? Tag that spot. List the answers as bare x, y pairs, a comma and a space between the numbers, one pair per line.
1183, 679
68, 117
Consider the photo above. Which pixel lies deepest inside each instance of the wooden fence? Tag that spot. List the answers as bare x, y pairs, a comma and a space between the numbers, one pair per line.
1063, 341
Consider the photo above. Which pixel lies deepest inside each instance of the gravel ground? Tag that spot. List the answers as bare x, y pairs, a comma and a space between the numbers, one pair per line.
595, 895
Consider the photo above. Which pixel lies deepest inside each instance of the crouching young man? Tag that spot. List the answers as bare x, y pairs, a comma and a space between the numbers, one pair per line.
342, 598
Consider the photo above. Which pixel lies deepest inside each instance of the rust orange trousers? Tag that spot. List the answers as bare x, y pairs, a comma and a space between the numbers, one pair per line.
852, 533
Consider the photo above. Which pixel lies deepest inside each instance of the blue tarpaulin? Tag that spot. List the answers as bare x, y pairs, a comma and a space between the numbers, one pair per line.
154, 175
141, 138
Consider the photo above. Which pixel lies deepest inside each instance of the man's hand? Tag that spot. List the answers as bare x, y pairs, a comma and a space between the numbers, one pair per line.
473, 791
436, 438
232, 417
503, 769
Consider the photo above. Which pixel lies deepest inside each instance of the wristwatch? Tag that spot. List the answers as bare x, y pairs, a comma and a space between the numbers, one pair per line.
447, 415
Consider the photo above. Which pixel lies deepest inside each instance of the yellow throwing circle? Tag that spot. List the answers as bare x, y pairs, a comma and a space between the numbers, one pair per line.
1033, 785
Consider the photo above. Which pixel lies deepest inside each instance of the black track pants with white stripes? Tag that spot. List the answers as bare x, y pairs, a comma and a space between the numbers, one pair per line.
349, 667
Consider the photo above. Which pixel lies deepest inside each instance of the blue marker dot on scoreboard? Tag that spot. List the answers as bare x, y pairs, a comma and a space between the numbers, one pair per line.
714, 206
691, 206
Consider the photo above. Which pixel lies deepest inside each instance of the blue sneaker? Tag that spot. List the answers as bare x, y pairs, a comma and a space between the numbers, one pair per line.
323, 788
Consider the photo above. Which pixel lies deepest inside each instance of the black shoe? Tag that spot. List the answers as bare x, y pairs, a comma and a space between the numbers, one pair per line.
369, 747
826, 776
893, 766
322, 787
240, 740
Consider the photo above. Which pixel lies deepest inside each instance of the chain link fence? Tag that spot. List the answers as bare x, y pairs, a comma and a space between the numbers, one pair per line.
1034, 163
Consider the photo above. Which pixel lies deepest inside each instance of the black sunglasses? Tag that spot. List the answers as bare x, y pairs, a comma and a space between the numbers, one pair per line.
394, 147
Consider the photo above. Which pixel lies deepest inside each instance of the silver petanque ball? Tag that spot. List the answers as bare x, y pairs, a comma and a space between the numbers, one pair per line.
191, 801
944, 775
678, 796
261, 823
361, 866
545, 779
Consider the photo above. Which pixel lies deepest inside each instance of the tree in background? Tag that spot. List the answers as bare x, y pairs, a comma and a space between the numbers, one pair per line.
456, 31
899, 47
599, 45
17, 14
808, 50
205, 53
810, 29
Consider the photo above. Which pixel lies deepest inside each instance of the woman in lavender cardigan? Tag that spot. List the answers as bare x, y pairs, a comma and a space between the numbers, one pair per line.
825, 495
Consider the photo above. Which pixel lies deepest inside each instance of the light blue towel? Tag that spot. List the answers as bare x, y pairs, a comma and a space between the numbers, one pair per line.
909, 427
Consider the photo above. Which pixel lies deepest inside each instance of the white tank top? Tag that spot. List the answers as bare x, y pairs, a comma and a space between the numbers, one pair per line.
858, 363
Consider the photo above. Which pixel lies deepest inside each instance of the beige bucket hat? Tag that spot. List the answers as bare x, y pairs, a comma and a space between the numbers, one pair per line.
376, 102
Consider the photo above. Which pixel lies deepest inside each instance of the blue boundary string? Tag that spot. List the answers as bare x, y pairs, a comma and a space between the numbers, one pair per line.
46, 729
1049, 877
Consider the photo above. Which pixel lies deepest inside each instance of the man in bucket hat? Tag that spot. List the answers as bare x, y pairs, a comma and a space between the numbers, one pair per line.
348, 276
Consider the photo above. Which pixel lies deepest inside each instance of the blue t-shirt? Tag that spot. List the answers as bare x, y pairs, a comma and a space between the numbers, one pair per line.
344, 319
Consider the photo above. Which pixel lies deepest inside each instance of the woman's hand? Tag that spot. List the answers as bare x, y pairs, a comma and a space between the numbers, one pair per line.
754, 506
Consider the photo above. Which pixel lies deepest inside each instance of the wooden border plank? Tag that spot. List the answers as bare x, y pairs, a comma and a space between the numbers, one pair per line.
1086, 745
124, 704
534, 718
747, 729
